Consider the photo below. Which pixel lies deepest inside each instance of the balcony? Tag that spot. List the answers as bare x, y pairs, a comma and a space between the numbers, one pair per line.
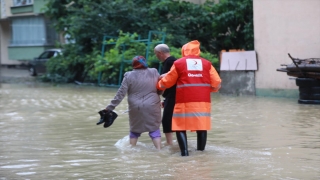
22, 2
22, 6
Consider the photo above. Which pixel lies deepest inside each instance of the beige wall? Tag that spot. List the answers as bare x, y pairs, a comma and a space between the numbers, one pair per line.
4, 43
6, 8
5, 32
282, 27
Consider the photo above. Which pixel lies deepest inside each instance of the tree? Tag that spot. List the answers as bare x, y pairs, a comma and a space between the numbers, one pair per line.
227, 25
233, 25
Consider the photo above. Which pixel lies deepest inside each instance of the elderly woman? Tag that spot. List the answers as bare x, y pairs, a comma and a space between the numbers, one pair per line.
143, 100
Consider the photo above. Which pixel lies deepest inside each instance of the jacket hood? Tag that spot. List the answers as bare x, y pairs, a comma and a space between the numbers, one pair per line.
192, 48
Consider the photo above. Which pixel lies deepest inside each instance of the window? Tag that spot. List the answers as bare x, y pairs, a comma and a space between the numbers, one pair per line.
32, 31
22, 2
47, 55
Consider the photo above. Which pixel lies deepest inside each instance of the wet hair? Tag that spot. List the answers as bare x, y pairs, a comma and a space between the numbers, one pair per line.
162, 48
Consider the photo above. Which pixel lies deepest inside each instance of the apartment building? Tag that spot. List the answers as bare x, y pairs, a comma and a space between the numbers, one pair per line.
24, 31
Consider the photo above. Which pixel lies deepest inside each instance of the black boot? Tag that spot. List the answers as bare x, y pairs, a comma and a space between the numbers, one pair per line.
201, 140
102, 115
183, 143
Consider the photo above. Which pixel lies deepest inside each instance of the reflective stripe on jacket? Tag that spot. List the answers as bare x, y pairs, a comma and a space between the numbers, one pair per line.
195, 78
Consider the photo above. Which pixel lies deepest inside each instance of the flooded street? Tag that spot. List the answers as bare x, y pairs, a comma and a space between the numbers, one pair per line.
50, 132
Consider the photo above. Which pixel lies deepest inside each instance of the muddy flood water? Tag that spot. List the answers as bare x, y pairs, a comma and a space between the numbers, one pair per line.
50, 132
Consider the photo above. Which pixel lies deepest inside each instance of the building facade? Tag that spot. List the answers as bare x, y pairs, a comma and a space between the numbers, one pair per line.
282, 27
24, 31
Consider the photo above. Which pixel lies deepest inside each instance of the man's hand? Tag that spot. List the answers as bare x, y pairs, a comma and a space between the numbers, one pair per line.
162, 75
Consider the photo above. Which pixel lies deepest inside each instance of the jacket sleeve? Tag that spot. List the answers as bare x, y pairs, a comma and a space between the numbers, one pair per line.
215, 80
159, 92
168, 80
121, 93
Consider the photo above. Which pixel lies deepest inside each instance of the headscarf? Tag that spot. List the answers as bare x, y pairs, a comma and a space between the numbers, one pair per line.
139, 62
192, 48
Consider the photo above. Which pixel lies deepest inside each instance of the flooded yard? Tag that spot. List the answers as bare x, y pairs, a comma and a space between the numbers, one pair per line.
50, 132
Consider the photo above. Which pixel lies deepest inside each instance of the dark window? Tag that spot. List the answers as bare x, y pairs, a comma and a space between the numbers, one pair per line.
46, 55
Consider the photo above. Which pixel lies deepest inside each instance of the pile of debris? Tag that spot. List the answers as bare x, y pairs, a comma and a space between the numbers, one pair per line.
307, 72
302, 68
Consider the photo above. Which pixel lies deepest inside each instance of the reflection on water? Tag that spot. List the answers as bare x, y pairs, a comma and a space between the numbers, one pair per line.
50, 132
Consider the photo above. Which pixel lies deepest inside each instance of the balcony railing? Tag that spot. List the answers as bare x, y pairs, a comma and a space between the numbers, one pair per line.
22, 2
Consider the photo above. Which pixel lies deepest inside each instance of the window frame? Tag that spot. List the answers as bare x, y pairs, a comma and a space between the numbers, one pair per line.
17, 3
48, 35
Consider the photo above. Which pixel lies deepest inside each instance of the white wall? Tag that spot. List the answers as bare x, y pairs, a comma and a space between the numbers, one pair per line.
282, 27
